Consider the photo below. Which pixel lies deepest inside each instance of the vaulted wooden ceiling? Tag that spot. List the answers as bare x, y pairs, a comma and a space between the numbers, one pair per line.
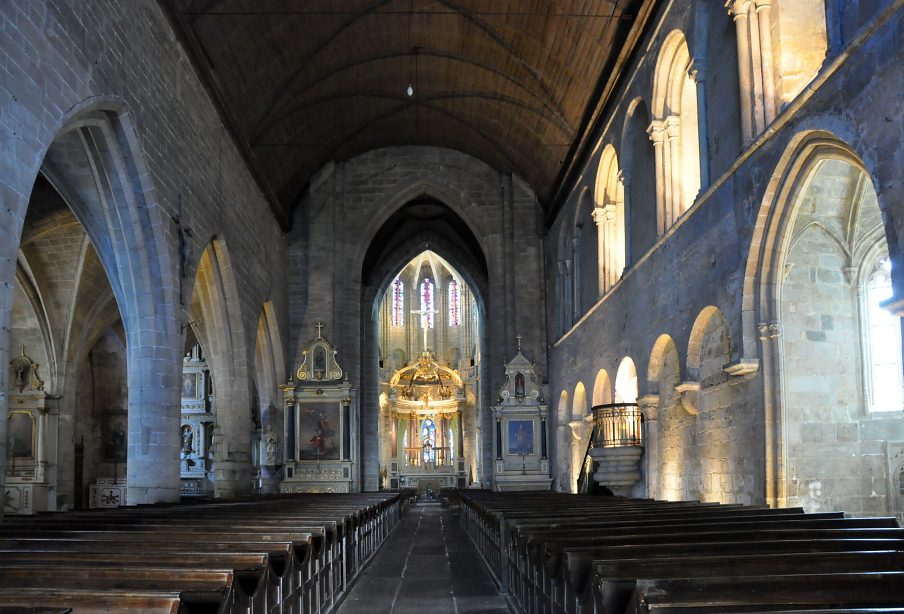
515, 83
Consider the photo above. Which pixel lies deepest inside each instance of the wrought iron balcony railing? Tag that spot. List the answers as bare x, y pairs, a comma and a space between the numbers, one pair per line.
617, 425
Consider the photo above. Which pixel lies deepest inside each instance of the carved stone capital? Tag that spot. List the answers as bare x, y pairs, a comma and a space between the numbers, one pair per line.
656, 130
672, 124
649, 406
599, 215
769, 330
737, 9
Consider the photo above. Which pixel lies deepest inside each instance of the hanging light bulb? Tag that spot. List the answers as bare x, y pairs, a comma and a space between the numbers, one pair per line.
410, 90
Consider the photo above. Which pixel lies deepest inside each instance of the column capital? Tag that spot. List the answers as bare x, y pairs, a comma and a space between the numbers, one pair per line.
697, 69
649, 405
737, 9
656, 130
672, 123
599, 215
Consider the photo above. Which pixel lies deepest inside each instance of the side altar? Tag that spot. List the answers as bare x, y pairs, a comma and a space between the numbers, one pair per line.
521, 430
321, 424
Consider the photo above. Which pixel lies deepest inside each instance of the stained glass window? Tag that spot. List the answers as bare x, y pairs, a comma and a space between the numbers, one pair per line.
427, 302
428, 440
398, 302
454, 304
884, 343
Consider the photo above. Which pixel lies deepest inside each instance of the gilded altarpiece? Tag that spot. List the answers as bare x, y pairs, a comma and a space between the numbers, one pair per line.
521, 438
321, 424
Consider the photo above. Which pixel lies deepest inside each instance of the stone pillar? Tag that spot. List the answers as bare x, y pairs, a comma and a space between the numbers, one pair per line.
577, 272
625, 178
603, 248
675, 202
769, 335
738, 11
657, 135
756, 70
649, 406
697, 72
766, 59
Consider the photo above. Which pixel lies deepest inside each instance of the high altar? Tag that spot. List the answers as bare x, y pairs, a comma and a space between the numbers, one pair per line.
424, 409
521, 430
321, 424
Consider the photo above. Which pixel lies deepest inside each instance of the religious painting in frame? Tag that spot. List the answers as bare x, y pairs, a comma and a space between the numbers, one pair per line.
190, 385
20, 438
115, 427
521, 437
319, 433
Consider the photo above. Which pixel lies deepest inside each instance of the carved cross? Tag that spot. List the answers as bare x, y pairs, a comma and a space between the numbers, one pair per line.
319, 327
519, 338
423, 313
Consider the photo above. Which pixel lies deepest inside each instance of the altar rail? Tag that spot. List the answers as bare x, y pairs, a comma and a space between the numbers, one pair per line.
277, 554
556, 553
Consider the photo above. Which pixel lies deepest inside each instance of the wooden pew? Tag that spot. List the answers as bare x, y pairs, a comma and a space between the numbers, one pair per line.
286, 554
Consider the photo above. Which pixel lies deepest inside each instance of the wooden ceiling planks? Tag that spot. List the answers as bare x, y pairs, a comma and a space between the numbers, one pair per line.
511, 82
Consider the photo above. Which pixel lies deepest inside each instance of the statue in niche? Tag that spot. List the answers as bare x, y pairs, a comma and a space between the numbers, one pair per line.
319, 362
519, 385
187, 438
271, 445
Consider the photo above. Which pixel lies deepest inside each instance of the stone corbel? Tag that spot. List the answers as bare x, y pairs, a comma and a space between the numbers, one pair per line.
690, 394
576, 429
744, 366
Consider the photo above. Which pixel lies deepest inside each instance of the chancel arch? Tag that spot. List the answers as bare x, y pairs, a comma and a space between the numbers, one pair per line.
428, 422
834, 392
216, 318
609, 216
674, 131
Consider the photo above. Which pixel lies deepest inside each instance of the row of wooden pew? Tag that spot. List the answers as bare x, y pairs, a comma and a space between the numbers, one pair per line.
282, 554
558, 553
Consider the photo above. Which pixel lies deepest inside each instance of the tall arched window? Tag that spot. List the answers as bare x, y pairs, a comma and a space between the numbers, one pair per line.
427, 304
428, 440
398, 302
454, 304
883, 338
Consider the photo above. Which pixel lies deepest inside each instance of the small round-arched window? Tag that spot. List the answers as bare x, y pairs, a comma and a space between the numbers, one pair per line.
883, 331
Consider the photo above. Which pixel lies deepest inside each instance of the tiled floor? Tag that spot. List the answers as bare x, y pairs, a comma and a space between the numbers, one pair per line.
428, 565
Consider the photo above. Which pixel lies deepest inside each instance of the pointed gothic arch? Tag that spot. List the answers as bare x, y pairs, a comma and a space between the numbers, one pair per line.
216, 313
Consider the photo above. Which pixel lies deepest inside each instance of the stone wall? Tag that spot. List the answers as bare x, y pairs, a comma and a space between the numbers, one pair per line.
114, 71
719, 254
349, 202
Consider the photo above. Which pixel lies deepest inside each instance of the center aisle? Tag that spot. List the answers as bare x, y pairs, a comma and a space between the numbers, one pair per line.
427, 565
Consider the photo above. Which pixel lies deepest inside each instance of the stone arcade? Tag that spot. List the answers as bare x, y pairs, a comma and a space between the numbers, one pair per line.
654, 247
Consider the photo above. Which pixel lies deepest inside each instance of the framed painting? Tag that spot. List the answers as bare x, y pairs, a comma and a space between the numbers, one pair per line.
115, 427
190, 385
319, 431
20, 438
521, 437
